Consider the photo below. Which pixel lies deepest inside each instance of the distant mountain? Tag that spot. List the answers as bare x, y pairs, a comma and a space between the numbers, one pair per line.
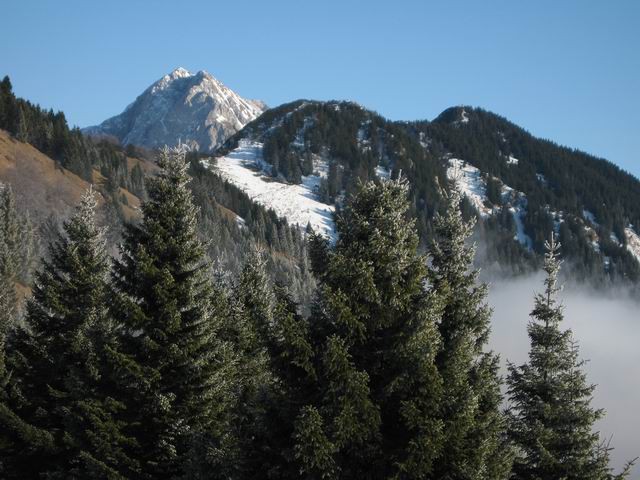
302, 158
196, 109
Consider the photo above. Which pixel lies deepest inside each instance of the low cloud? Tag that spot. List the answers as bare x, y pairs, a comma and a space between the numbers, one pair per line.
607, 327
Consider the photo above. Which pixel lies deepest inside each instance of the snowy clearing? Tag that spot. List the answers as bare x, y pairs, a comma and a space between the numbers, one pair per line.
245, 168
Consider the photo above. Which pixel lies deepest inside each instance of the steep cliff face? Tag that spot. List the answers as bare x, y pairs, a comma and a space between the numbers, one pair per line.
196, 109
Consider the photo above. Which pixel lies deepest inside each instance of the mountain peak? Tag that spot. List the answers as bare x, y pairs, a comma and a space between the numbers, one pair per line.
180, 73
196, 109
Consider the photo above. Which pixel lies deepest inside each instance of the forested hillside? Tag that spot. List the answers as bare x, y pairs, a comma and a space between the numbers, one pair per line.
519, 187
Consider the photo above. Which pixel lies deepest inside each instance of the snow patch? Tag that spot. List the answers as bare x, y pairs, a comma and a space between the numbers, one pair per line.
299, 140
512, 160
558, 219
633, 242
589, 217
464, 117
469, 181
245, 168
424, 141
518, 212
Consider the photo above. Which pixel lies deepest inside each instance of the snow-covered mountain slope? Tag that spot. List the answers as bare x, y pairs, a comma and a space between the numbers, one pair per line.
245, 168
195, 109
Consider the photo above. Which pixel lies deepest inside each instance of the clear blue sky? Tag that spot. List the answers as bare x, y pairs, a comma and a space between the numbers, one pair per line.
564, 70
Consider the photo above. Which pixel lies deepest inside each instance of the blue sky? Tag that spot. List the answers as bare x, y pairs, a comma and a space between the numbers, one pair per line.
565, 70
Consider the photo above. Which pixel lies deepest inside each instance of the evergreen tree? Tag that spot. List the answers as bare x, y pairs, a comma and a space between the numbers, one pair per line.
551, 418
175, 369
250, 329
60, 386
474, 442
375, 403
23, 132
18, 246
10, 233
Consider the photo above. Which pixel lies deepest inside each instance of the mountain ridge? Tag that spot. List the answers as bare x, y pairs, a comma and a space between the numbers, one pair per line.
520, 187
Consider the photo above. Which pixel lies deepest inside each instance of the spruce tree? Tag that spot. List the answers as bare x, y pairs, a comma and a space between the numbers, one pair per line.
551, 418
474, 427
175, 369
63, 419
374, 408
250, 327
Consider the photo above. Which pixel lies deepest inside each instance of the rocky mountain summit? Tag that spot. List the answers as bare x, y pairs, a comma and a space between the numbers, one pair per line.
195, 109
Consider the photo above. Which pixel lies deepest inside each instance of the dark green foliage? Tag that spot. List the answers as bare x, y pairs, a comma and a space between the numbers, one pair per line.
251, 325
175, 369
474, 443
375, 401
60, 387
551, 419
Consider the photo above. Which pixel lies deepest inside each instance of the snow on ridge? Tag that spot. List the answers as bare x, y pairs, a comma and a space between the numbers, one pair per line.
512, 160
464, 118
245, 168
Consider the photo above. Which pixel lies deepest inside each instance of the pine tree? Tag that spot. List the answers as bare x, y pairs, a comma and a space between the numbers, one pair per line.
60, 380
551, 418
374, 410
175, 370
474, 441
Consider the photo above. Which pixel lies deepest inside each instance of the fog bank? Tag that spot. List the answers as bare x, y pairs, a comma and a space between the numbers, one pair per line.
607, 327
